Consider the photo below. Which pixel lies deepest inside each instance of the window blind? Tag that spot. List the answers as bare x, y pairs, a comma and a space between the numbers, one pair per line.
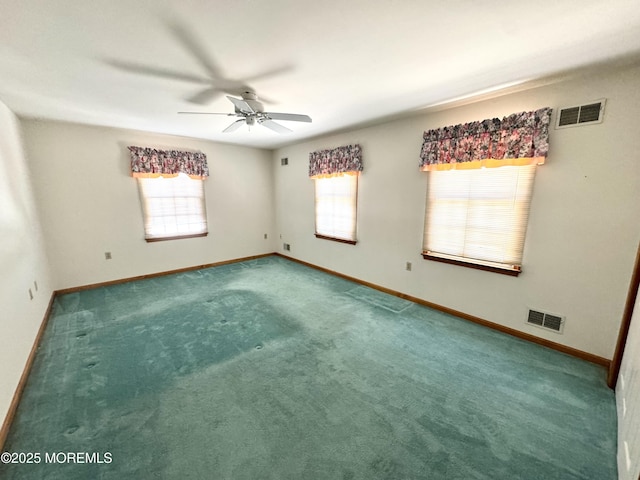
479, 215
172, 207
336, 203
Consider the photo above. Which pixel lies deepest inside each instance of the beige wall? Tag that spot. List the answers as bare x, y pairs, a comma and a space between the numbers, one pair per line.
22, 261
583, 227
90, 204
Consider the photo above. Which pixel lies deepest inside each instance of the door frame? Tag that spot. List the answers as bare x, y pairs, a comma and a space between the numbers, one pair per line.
614, 367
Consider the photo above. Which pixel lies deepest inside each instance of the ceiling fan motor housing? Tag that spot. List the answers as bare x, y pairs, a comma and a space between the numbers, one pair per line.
249, 95
251, 99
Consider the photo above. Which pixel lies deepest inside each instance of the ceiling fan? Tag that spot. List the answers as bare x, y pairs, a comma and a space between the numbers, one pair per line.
250, 111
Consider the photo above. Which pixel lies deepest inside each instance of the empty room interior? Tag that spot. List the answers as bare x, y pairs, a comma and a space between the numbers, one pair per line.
320, 240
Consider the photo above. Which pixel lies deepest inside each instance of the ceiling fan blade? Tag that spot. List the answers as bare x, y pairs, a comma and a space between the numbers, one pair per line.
276, 127
270, 100
205, 96
196, 49
269, 73
241, 105
208, 113
293, 117
155, 72
234, 126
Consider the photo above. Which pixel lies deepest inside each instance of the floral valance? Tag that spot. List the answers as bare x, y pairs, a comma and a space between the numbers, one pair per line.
519, 139
149, 162
338, 161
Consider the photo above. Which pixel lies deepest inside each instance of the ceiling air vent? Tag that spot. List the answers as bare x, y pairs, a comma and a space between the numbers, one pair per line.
581, 115
545, 320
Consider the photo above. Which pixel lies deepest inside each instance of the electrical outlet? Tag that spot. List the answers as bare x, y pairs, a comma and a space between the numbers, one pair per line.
107, 255
286, 247
408, 267
265, 236
30, 295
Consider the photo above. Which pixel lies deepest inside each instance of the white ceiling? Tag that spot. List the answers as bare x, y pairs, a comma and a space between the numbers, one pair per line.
342, 62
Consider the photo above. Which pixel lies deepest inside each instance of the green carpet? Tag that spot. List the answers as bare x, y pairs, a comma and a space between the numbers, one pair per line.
271, 370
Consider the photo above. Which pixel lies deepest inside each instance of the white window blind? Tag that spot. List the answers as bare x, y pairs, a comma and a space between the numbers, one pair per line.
336, 205
173, 207
479, 216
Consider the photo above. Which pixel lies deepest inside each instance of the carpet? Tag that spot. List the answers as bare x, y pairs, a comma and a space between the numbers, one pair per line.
380, 299
269, 369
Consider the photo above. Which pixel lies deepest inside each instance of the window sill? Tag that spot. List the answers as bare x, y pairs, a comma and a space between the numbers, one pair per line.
177, 237
478, 266
340, 240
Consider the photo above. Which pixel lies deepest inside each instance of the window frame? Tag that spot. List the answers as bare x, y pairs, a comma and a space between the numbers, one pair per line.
506, 268
146, 200
352, 203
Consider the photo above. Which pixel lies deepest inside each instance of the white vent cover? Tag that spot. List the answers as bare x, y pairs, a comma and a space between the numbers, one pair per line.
546, 320
586, 114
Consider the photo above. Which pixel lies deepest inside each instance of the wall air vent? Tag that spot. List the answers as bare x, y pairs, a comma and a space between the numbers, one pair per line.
545, 320
587, 114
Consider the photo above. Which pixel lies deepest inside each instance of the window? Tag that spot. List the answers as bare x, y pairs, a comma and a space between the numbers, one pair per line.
335, 173
336, 206
480, 181
173, 207
478, 216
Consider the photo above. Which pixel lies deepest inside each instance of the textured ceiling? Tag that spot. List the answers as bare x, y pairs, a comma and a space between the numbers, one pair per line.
344, 63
